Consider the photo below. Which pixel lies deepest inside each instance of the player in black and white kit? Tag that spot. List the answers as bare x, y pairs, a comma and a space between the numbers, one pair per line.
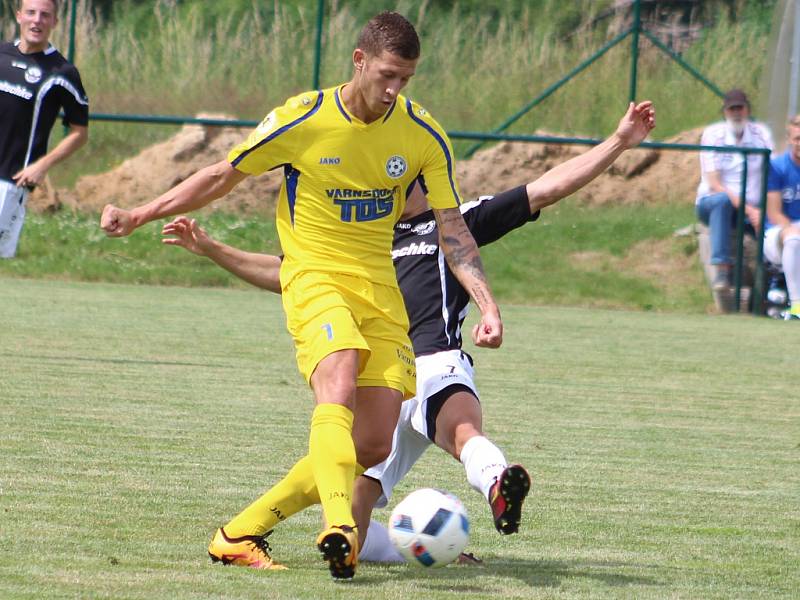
446, 410
36, 82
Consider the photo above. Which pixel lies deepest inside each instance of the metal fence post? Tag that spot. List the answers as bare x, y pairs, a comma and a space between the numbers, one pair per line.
550, 90
318, 44
73, 17
677, 58
758, 283
795, 62
637, 27
737, 274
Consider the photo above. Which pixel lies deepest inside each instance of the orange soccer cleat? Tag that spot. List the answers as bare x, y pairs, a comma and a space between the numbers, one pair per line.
246, 551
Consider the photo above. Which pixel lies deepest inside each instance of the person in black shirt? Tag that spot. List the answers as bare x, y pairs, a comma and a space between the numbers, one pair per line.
36, 82
446, 410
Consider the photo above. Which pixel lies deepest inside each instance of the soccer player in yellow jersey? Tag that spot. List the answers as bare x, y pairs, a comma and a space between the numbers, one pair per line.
350, 155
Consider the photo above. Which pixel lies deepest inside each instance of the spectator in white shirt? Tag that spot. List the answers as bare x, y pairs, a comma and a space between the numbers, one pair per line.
718, 195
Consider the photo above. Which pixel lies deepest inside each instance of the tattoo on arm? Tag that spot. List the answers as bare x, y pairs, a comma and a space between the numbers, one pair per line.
462, 255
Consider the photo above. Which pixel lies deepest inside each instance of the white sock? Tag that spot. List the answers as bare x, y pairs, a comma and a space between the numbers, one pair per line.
378, 547
791, 268
484, 463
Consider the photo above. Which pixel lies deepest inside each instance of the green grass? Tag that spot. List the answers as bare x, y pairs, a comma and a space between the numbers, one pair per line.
135, 419
536, 264
72, 246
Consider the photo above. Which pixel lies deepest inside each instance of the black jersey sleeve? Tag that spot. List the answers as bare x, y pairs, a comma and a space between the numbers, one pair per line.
491, 217
74, 100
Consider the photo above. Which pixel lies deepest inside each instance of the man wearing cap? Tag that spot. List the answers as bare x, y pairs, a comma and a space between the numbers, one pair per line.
718, 195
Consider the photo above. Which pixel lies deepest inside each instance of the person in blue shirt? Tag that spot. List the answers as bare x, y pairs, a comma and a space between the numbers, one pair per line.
782, 237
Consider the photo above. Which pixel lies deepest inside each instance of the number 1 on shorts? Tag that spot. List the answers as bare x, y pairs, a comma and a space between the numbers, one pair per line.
328, 330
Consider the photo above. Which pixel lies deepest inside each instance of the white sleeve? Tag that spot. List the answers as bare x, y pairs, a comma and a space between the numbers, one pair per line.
768, 136
708, 159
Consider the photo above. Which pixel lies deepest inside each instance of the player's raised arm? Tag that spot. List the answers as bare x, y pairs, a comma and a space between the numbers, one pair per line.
260, 270
462, 256
570, 176
204, 186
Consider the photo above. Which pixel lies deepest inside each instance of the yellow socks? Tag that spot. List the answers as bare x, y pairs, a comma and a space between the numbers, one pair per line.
333, 461
292, 494
331, 439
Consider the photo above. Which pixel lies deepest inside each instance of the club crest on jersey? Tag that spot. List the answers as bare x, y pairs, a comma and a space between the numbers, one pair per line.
424, 228
33, 74
422, 112
396, 166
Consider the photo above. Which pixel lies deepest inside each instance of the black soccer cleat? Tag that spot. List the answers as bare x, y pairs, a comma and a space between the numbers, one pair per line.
339, 547
506, 498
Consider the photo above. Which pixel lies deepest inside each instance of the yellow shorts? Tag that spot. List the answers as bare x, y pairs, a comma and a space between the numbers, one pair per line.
327, 312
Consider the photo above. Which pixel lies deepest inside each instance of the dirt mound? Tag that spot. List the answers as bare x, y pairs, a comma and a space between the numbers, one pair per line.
162, 166
638, 176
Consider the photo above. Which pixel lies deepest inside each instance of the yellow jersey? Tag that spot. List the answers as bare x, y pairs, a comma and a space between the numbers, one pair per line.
345, 181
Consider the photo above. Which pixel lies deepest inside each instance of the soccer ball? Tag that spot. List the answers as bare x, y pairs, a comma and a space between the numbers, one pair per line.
429, 527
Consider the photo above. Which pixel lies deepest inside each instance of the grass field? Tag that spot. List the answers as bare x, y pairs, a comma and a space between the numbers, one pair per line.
136, 419
539, 264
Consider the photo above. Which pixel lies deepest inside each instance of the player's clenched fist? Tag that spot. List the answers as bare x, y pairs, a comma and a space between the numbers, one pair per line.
116, 222
488, 333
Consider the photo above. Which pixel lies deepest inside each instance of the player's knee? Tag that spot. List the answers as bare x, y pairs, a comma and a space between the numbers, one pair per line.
334, 378
337, 390
373, 452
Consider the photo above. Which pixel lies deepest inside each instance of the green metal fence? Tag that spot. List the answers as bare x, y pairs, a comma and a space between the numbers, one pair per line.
635, 32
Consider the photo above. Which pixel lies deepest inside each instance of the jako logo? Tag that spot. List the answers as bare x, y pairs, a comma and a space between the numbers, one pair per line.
330, 160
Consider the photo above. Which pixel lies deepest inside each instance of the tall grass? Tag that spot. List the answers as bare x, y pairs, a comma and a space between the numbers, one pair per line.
476, 68
474, 71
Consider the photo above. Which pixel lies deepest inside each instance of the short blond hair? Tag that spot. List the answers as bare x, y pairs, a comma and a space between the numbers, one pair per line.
392, 32
54, 2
